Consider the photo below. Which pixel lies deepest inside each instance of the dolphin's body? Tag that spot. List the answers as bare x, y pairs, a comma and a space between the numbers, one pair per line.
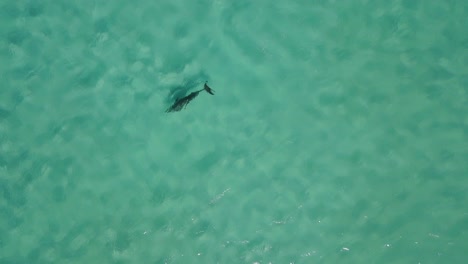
181, 103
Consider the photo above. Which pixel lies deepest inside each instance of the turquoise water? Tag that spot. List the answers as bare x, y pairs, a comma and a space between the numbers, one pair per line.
338, 132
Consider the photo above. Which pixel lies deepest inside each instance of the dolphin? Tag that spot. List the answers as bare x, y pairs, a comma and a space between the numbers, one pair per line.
181, 103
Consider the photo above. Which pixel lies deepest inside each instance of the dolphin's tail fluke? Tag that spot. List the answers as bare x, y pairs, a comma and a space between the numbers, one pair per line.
208, 89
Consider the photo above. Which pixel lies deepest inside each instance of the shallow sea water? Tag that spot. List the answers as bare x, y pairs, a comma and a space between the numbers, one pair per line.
338, 132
